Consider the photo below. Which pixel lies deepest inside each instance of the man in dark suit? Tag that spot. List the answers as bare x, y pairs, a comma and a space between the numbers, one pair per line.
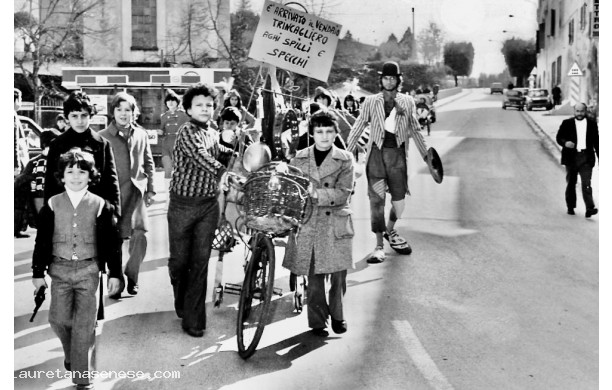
579, 138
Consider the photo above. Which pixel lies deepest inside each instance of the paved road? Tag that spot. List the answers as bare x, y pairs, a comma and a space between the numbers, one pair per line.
501, 291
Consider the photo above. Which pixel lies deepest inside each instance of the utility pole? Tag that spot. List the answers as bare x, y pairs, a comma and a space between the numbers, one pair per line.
414, 48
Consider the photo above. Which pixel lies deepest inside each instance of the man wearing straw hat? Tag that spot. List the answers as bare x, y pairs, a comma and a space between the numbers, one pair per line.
392, 119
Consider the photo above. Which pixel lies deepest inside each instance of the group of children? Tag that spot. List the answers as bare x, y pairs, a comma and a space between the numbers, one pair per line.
82, 208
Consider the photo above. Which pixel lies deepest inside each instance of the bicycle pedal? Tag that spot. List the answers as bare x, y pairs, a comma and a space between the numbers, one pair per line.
234, 289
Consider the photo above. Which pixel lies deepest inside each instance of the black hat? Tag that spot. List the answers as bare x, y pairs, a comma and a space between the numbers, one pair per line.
390, 68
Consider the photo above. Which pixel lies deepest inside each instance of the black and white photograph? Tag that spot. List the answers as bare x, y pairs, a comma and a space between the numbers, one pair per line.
314, 194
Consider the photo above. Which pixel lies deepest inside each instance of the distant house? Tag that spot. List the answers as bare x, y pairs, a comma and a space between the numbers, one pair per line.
568, 34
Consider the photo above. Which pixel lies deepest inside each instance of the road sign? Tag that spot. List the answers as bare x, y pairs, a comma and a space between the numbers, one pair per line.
295, 41
575, 70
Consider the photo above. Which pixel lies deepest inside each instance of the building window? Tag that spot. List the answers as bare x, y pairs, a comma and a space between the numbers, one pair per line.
553, 74
583, 16
552, 23
559, 70
570, 31
144, 24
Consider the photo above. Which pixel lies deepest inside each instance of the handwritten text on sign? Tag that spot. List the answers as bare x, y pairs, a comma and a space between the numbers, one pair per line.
295, 41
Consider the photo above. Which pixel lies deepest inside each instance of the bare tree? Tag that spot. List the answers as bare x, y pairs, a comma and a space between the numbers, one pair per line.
202, 36
431, 41
51, 31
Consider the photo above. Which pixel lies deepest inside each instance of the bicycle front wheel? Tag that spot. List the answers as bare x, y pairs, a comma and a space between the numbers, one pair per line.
255, 297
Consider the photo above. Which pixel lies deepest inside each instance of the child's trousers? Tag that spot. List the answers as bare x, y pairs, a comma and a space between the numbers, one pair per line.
317, 304
72, 312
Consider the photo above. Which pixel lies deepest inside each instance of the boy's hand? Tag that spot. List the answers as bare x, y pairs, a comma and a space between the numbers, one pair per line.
38, 283
114, 285
148, 198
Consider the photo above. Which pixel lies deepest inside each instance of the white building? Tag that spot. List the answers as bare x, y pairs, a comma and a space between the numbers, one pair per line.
568, 34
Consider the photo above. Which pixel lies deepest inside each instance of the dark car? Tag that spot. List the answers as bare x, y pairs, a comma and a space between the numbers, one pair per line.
522, 90
429, 102
513, 98
497, 88
538, 98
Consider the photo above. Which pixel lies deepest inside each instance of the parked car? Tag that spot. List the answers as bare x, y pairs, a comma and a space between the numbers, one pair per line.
538, 98
429, 100
32, 133
497, 88
522, 90
513, 98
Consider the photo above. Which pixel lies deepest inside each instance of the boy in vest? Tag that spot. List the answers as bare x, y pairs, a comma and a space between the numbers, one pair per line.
72, 224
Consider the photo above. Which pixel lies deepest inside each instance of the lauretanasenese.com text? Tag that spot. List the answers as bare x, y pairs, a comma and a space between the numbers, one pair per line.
129, 374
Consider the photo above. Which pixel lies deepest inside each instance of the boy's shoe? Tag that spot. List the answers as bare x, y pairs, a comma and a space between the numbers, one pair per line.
118, 294
338, 326
398, 244
591, 212
67, 365
88, 386
321, 332
132, 287
570, 211
377, 256
193, 332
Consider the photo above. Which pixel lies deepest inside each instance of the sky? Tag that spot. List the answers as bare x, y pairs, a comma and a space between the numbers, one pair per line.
481, 22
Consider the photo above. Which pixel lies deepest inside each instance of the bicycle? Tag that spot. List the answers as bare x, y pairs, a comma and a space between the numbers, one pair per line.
273, 203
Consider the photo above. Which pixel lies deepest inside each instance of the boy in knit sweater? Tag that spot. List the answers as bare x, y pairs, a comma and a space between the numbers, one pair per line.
73, 223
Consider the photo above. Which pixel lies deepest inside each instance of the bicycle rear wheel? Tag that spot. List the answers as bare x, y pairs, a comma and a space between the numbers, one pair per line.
255, 297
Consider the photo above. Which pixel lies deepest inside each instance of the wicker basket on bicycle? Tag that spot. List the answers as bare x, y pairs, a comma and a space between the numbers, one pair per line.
275, 202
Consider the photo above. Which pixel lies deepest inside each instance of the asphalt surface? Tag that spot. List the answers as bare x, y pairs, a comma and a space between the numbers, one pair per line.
500, 292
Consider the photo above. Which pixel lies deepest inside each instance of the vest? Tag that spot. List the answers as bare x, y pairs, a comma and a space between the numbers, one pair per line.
74, 233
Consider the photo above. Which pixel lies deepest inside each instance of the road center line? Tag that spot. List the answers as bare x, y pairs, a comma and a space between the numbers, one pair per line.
420, 357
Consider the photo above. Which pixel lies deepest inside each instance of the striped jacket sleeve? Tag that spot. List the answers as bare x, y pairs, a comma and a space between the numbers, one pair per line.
359, 126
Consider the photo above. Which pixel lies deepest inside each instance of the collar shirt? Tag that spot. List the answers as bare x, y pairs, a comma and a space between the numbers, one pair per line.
76, 197
390, 121
581, 127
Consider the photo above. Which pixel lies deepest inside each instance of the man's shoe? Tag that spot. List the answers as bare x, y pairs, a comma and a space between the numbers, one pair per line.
132, 287
21, 235
571, 211
398, 244
88, 386
67, 365
321, 332
193, 332
591, 212
338, 326
377, 256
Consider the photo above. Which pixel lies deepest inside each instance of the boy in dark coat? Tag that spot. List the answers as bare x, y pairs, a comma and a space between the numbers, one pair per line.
78, 110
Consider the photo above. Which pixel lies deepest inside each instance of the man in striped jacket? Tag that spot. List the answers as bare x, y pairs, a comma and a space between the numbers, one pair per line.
392, 120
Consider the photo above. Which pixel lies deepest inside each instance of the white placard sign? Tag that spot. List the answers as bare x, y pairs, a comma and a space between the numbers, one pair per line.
295, 41
575, 70
101, 103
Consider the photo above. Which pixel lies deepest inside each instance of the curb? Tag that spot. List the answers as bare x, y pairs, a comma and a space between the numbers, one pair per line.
548, 143
452, 98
